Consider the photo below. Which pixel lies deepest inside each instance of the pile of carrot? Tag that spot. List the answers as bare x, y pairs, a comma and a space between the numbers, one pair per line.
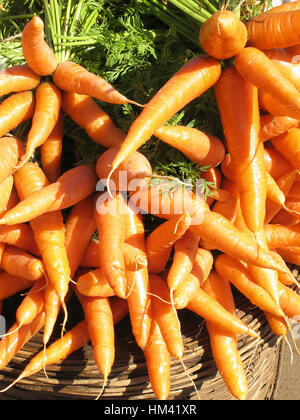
245, 235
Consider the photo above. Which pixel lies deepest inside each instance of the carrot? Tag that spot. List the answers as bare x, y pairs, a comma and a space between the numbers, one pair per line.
158, 363
223, 35
119, 308
288, 144
94, 284
277, 324
49, 232
160, 242
277, 164
272, 126
38, 55
51, 151
289, 301
16, 109
11, 285
280, 236
100, 325
274, 30
236, 273
73, 186
18, 79
214, 176
137, 280
244, 144
291, 255
32, 304
285, 218
52, 309
228, 208
72, 77
166, 316
285, 7
194, 78
16, 339
206, 306
223, 344
294, 191
80, 226
110, 222
85, 111
258, 69
286, 63
19, 263
185, 252
20, 236
201, 148
46, 114
186, 291
135, 167
5, 192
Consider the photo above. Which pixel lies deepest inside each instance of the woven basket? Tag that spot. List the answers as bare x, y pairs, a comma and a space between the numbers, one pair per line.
78, 376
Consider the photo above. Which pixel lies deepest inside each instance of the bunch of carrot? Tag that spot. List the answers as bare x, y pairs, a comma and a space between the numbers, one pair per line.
244, 235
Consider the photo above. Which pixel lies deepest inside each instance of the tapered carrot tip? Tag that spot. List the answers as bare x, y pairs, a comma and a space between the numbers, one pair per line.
37, 22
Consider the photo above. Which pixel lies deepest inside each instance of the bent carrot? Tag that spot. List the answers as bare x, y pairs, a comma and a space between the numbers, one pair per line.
72, 187
224, 345
45, 117
19, 263
51, 151
223, 35
72, 77
85, 111
272, 126
158, 363
199, 147
18, 79
16, 109
194, 78
38, 55
252, 64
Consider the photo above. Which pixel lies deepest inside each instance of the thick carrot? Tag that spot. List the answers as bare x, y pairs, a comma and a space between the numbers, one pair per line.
85, 111
38, 55
16, 109
280, 236
46, 114
80, 226
94, 284
32, 304
73, 186
223, 344
289, 301
158, 363
274, 30
109, 215
285, 7
286, 63
223, 35
291, 255
161, 240
99, 320
237, 99
18, 79
19, 263
186, 291
72, 77
199, 147
20, 236
272, 126
11, 285
5, 192
166, 316
137, 280
206, 306
194, 78
288, 144
236, 273
277, 324
258, 69
16, 339
51, 151
185, 252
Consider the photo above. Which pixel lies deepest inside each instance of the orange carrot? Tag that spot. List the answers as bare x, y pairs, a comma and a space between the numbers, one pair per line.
186, 291
19, 263
46, 114
199, 147
18, 79
194, 78
39, 56
51, 151
20, 236
158, 363
72, 187
110, 222
280, 236
258, 69
223, 35
94, 284
85, 111
277, 324
119, 308
32, 304
160, 242
5, 192
72, 77
291, 255
244, 144
285, 7
286, 63
272, 126
228, 207
288, 144
289, 301
185, 251
223, 344
213, 175
10, 285
294, 191
16, 109
285, 218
